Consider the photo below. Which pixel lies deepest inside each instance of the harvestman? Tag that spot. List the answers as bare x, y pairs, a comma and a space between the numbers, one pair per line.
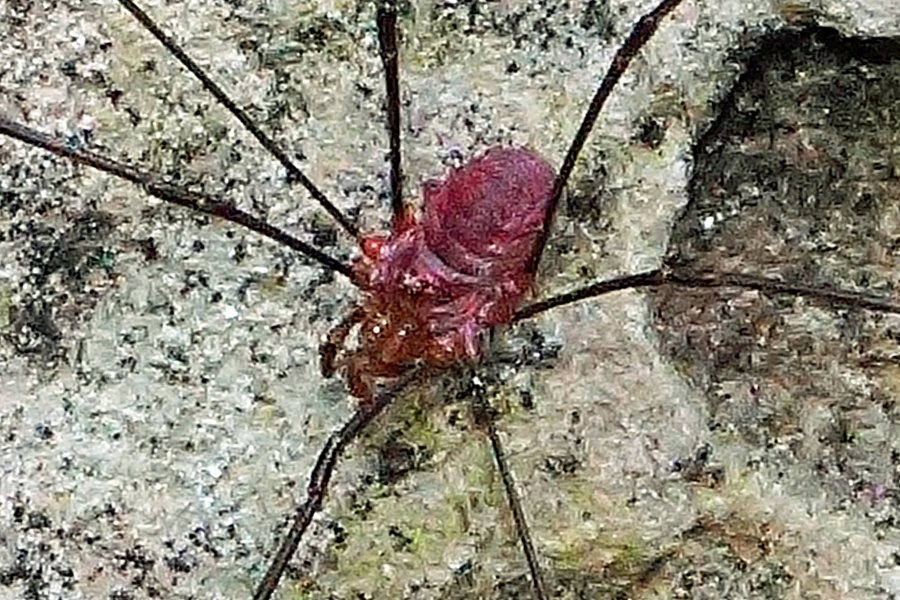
375, 404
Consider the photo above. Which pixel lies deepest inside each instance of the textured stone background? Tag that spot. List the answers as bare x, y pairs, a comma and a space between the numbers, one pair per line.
160, 403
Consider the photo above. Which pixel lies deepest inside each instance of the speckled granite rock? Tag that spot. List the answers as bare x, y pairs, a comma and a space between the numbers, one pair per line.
160, 403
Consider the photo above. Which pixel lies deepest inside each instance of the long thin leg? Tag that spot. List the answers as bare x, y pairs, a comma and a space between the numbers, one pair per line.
319, 479
642, 31
685, 278
155, 186
294, 172
485, 419
387, 42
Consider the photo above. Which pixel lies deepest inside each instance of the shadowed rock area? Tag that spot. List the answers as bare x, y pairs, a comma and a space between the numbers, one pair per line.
798, 177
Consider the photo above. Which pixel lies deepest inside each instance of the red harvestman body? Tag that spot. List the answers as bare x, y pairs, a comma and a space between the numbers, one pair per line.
436, 285
445, 277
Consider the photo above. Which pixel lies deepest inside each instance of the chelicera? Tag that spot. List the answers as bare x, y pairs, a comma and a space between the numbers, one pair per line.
439, 281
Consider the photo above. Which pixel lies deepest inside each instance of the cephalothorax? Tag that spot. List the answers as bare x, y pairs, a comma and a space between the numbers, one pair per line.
439, 281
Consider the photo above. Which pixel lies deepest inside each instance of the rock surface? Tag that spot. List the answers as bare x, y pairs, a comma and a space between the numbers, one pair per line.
160, 403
